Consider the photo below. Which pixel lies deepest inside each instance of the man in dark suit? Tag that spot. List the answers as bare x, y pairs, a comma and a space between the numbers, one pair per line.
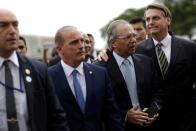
28, 101
122, 41
84, 90
22, 46
139, 27
177, 74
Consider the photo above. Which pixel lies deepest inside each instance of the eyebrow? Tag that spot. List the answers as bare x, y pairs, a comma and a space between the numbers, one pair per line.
7, 23
72, 42
4, 21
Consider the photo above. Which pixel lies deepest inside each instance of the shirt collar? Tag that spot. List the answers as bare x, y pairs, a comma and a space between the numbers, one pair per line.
13, 58
166, 41
120, 59
68, 69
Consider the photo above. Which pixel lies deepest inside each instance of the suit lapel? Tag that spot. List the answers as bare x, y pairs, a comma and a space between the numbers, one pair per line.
152, 53
116, 76
175, 47
89, 76
63, 87
139, 70
28, 79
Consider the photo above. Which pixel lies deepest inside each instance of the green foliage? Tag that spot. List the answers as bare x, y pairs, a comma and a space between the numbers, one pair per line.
183, 16
127, 15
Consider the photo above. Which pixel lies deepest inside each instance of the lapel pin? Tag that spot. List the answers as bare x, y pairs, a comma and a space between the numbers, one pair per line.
90, 72
27, 71
28, 79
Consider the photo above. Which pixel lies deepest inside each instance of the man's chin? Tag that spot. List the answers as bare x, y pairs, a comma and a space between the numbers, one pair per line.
12, 48
132, 51
83, 58
154, 32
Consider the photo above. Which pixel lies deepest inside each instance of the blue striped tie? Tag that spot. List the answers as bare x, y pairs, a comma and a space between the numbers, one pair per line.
78, 91
163, 63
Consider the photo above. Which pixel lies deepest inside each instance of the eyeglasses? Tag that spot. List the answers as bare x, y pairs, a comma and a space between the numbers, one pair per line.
126, 37
21, 47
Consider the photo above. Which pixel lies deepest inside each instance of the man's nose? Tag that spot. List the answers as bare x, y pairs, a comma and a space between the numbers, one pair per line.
12, 29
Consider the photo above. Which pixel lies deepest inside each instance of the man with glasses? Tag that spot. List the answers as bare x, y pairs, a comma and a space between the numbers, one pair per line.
139, 27
133, 78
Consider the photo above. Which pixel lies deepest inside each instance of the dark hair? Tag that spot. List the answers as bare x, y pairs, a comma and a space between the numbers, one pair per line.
90, 35
23, 39
138, 20
54, 52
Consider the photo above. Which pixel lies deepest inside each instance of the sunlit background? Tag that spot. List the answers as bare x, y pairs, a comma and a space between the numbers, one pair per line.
44, 17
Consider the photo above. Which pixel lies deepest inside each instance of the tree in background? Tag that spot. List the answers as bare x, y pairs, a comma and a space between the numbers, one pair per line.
127, 15
183, 16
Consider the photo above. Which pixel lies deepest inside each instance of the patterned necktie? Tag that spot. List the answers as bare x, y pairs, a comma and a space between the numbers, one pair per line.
163, 63
10, 101
129, 76
78, 91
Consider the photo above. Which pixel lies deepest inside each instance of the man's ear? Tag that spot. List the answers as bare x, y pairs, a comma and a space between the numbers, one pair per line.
168, 21
58, 49
114, 44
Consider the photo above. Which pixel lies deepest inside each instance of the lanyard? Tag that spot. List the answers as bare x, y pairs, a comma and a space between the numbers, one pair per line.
12, 87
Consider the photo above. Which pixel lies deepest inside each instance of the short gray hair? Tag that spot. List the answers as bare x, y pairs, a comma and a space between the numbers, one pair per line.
111, 31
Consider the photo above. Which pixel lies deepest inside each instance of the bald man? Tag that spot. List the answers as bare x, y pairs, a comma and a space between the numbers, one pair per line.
28, 101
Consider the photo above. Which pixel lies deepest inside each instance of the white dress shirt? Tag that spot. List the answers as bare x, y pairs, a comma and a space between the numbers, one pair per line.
81, 77
20, 97
166, 46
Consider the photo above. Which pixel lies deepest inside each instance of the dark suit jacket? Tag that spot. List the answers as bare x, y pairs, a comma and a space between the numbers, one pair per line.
54, 61
44, 110
100, 105
178, 110
147, 85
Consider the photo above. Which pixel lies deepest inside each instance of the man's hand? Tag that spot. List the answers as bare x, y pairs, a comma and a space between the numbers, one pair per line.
137, 117
103, 56
151, 120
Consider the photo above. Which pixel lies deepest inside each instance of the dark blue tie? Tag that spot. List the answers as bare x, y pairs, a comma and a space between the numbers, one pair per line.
10, 101
78, 91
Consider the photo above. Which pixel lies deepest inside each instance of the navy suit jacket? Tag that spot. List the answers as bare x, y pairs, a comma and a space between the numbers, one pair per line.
178, 111
147, 85
100, 104
44, 110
